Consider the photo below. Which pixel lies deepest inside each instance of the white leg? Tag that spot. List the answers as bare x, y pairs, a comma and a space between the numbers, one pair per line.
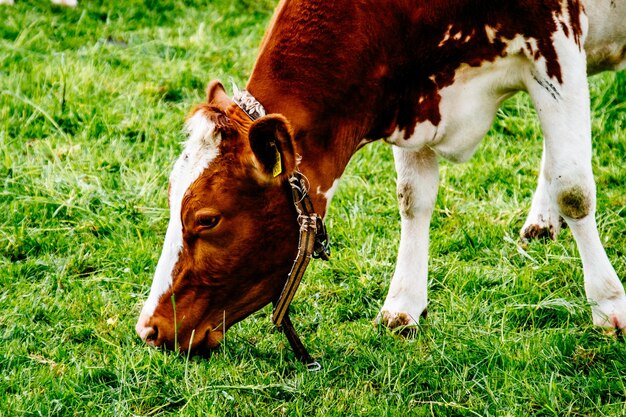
604, 290
564, 113
543, 218
418, 178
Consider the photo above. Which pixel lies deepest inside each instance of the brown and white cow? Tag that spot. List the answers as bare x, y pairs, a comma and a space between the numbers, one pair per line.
334, 75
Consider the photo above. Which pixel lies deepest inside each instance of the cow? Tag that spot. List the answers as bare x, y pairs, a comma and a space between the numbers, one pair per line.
330, 77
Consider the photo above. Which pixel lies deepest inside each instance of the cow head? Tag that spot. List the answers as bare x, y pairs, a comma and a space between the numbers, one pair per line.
232, 234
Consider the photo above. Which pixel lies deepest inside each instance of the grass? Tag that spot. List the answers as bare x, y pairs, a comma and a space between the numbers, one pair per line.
91, 108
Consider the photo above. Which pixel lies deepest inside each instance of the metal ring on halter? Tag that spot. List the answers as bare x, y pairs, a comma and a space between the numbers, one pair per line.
313, 366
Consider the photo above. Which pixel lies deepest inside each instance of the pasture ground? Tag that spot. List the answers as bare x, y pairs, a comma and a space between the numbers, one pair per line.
92, 101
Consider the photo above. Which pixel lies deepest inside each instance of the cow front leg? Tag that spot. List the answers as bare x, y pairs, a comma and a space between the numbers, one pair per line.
543, 219
417, 182
563, 109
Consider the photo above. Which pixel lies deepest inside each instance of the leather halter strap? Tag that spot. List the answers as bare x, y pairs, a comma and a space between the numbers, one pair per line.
313, 242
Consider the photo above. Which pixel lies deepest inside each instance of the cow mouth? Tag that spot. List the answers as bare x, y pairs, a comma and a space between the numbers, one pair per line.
212, 338
197, 341
200, 342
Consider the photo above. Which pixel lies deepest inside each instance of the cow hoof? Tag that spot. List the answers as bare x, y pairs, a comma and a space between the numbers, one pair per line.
535, 231
610, 313
542, 229
400, 322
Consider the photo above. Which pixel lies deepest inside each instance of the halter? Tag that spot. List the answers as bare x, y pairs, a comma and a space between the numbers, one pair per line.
313, 241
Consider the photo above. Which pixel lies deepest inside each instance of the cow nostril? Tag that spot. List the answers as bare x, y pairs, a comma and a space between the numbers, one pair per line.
149, 334
152, 335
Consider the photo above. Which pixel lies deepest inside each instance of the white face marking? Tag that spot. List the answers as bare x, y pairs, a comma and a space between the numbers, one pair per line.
199, 150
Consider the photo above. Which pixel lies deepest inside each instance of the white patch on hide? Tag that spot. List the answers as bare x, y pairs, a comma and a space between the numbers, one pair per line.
491, 33
328, 194
446, 36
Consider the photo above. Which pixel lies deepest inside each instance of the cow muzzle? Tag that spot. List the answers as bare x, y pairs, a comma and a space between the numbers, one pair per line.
198, 341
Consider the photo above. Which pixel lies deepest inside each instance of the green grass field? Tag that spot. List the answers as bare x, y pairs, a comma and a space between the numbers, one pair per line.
92, 102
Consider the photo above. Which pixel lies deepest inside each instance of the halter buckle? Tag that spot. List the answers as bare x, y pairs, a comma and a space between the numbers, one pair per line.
322, 241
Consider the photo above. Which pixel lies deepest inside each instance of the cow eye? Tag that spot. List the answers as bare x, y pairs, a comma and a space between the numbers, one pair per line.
208, 222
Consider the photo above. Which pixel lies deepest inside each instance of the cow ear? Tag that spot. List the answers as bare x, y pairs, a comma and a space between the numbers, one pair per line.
216, 95
272, 144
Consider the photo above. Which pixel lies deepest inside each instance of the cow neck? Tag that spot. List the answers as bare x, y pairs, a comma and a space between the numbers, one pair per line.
304, 72
313, 240
323, 151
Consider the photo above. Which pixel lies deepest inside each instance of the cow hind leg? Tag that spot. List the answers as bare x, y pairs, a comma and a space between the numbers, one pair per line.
563, 109
417, 182
543, 219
